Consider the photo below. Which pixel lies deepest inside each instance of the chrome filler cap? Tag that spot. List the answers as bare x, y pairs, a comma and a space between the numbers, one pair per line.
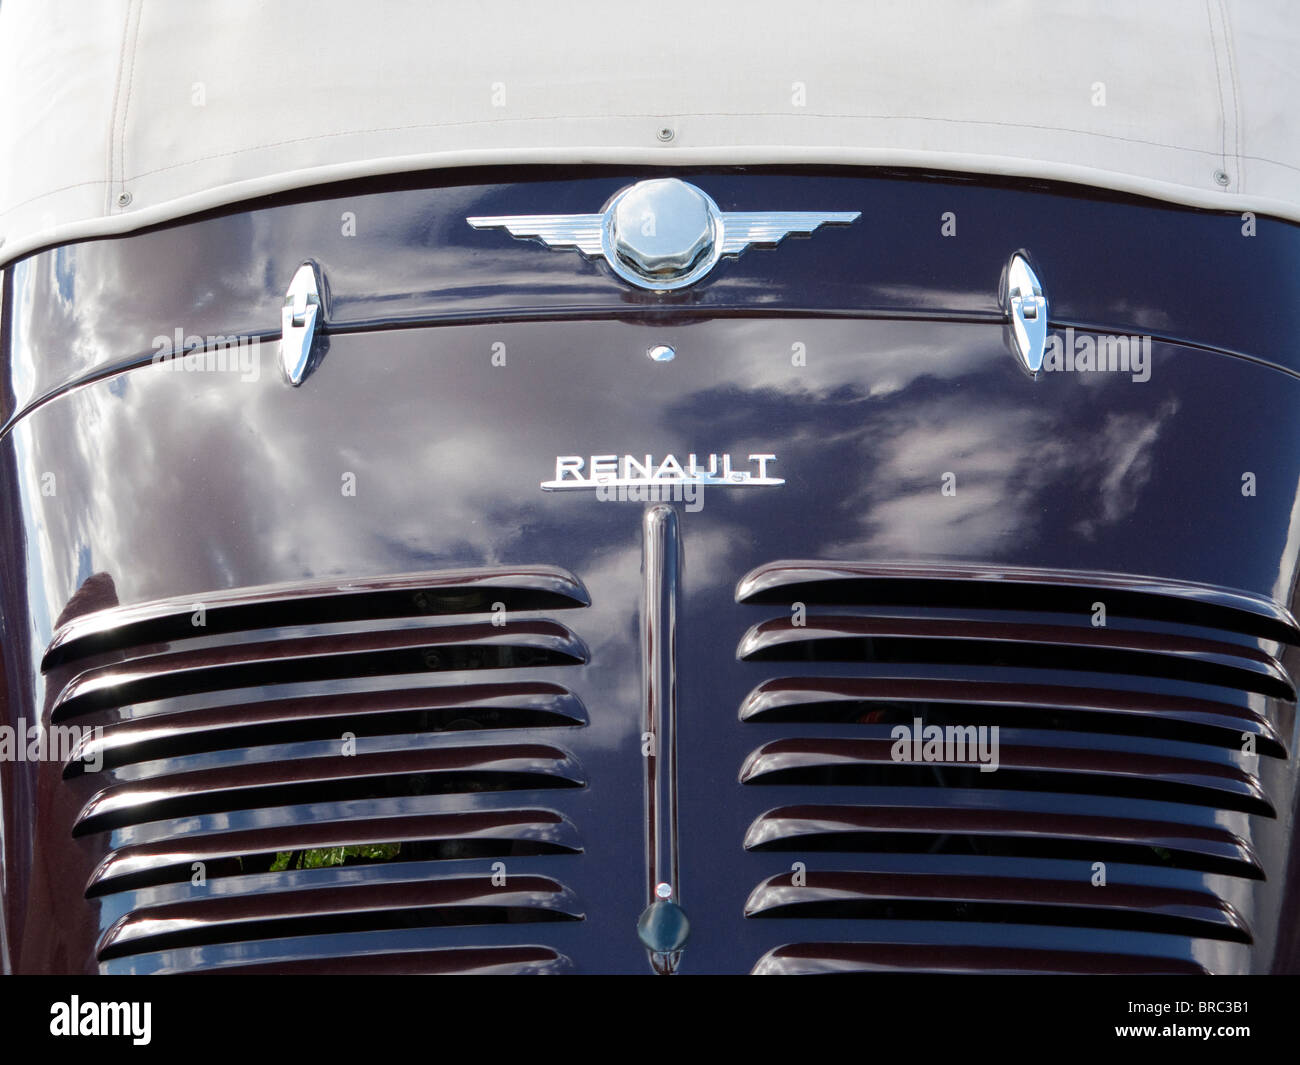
662, 229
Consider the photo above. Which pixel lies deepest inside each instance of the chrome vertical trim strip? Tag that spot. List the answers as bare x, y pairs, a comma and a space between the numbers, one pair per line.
663, 926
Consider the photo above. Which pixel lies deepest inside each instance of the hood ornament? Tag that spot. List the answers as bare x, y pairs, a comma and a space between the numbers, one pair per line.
662, 234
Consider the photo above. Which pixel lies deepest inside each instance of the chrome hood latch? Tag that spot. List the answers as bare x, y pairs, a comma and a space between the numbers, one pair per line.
301, 313
1026, 308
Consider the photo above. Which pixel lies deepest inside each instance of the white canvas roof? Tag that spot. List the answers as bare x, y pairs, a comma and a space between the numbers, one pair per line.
115, 114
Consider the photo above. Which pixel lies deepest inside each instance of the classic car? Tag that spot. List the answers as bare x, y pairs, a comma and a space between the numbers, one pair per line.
683, 488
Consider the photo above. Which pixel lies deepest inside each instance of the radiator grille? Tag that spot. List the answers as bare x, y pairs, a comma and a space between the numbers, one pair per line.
323, 777
1126, 710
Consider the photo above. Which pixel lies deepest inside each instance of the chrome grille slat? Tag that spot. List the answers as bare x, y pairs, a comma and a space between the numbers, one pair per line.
493, 766
1018, 588
377, 951
524, 960
503, 705
863, 638
821, 958
318, 602
989, 828
483, 645
429, 900
849, 760
817, 699
505, 831
969, 897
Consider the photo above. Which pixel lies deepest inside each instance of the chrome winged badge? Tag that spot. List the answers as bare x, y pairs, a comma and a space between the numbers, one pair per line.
664, 233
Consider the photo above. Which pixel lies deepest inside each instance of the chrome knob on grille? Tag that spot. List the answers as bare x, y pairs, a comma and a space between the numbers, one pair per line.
662, 228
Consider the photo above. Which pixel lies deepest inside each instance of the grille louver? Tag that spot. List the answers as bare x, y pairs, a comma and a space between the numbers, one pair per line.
222, 749
1129, 753
822, 958
471, 961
